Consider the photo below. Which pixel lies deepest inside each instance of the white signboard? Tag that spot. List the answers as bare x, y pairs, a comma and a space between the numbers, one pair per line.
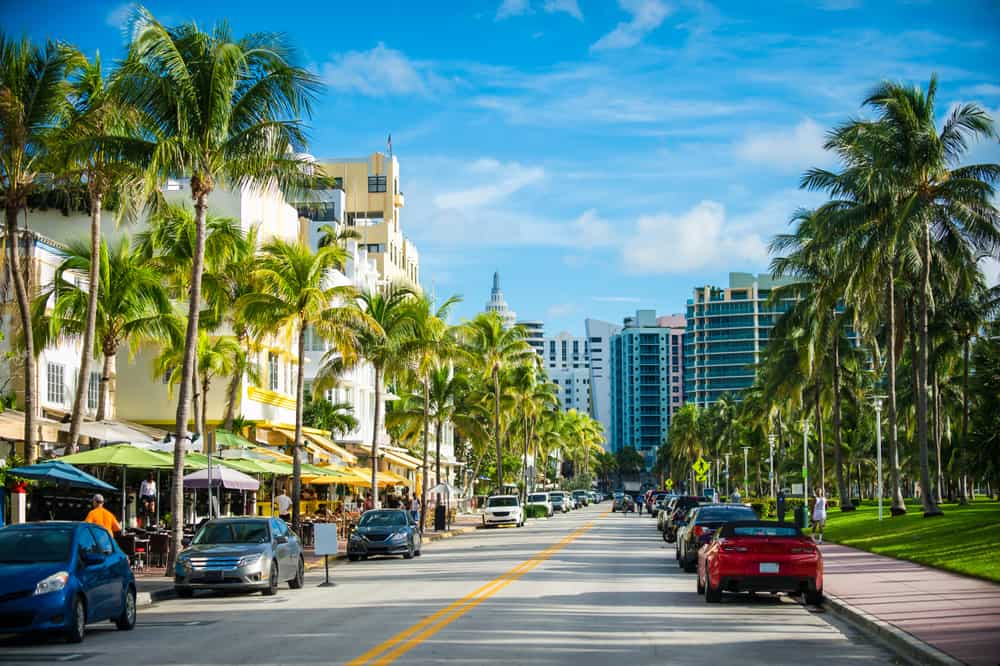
325, 538
796, 488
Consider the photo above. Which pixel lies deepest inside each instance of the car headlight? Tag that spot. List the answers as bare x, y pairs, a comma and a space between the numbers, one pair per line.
53, 583
398, 536
247, 560
357, 537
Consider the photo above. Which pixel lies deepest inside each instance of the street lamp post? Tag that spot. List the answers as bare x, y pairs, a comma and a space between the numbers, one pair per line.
746, 476
877, 400
770, 462
805, 462
727, 472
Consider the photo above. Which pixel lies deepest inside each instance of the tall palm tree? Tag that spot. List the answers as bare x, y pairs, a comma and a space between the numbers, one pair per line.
493, 348
218, 356
294, 294
132, 307
33, 101
383, 324
221, 110
686, 443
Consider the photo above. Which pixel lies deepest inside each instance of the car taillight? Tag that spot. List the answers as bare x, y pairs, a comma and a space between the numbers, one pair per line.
700, 531
801, 550
733, 548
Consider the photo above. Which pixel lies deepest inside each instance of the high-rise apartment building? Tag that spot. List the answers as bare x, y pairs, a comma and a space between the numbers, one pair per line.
566, 360
646, 381
499, 305
727, 329
599, 334
534, 334
372, 204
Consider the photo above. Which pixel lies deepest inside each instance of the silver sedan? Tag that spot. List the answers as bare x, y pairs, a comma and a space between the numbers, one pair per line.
240, 554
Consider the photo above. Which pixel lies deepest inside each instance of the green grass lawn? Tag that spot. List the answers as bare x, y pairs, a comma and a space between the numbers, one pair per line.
965, 540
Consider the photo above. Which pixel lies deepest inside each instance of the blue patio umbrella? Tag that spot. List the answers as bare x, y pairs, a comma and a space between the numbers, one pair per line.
60, 472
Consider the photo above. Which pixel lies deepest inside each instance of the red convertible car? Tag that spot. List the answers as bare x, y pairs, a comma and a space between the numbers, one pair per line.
760, 556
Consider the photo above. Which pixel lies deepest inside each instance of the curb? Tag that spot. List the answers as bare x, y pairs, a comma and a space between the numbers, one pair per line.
900, 641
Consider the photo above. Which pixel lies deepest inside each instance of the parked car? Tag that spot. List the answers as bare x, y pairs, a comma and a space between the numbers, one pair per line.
679, 507
682, 523
249, 554
618, 501
701, 526
659, 509
503, 510
596, 497
559, 501
384, 532
651, 499
60, 576
760, 556
581, 496
541, 499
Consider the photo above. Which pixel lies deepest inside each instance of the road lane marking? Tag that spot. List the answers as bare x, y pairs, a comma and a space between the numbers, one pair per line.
406, 640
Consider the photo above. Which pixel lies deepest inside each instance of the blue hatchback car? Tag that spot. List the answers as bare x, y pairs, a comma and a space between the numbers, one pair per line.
59, 576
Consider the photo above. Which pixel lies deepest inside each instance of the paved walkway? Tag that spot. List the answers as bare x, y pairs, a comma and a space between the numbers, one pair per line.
957, 615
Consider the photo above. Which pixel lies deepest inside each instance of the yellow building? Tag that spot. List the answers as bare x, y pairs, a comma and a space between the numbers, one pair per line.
372, 205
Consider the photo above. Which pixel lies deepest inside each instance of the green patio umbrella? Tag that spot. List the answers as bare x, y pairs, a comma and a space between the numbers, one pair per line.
230, 440
121, 455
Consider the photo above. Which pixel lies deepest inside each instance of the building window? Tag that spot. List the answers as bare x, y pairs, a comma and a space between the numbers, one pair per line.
93, 390
272, 371
56, 390
376, 183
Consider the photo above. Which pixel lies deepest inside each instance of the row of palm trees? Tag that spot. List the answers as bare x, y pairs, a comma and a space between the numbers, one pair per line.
887, 298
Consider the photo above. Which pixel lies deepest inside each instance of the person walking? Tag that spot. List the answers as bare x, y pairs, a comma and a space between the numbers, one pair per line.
98, 515
284, 504
780, 505
735, 497
147, 499
415, 509
819, 514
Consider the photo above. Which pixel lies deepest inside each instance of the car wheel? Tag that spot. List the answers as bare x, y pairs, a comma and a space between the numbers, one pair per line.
814, 598
701, 588
300, 574
126, 621
689, 567
712, 595
77, 622
353, 558
184, 592
408, 555
272, 582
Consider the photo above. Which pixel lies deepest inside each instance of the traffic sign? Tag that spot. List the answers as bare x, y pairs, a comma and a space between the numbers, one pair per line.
668, 484
700, 466
701, 477
805, 472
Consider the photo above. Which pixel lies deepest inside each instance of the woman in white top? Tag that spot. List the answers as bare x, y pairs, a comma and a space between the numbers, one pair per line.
819, 514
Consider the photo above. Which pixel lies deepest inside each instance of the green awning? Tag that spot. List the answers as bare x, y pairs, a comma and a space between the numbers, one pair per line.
230, 440
121, 455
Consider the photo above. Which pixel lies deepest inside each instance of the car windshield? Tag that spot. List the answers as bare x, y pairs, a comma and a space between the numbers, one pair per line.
232, 532
502, 501
383, 519
719, 515
538, 498
27, 546
766, 531
555, 496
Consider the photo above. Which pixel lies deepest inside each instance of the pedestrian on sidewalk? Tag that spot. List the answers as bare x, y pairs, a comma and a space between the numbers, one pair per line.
735, 497
100, 516
819, 514
415, 509
284, 504
780, 505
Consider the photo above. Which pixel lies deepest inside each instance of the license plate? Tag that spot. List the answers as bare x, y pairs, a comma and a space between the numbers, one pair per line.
769, 567
213, 575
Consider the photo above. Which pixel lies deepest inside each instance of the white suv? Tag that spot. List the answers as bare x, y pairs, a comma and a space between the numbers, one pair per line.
503, 510
542, 500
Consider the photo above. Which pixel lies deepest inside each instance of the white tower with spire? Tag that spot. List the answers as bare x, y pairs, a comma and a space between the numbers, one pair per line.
499, 305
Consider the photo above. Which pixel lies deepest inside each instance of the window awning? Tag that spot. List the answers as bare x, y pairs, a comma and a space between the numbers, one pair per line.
337, 450
402, 460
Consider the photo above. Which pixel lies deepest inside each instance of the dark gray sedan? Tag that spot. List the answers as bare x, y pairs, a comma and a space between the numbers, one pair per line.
251, 554
384, 532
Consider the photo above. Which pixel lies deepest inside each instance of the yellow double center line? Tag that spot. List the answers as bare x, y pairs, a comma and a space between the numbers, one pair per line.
406, 640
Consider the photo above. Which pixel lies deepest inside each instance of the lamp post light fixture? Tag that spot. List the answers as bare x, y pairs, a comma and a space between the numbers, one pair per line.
877, 404
771, 438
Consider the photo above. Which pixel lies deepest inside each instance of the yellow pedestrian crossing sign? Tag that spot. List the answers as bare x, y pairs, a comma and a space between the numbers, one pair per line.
669, 483
700, 467
701, 477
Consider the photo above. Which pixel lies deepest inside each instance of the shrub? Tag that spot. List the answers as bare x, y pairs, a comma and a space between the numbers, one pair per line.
535, 511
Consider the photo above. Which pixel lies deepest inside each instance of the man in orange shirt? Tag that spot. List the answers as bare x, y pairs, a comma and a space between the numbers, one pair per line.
101, 516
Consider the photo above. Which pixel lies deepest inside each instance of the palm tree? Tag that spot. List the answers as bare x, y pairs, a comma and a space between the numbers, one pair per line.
218, 355
606, 465
337, 417
132, 307
383, 324
685, 436
33, 100
293, 296
492, 348
220, 110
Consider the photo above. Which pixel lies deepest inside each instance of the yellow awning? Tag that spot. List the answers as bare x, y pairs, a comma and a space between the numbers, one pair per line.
319, 453
277, 455
400, 460
364, 478
329, 445
398, 480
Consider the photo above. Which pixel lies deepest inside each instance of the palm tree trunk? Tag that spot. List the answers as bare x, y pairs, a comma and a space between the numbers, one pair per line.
187, 372
842, 490
104, 397
524, 464
438, 431
898, 505
377, 415
24, 311
427, 433
300, 380
87, 343
235, 383
496, 427
819, 438
196, 401
930, 506
963, 495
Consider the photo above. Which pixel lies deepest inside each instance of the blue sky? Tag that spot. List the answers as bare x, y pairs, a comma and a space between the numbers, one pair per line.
603, 156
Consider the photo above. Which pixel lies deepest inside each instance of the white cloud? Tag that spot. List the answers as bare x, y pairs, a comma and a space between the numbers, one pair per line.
561, 310
564, 6
378, 72
504, 180
839, 5
646, 16
510, 8
984, 89
617, 299
991, 269
697, 238
789, 149
119, 15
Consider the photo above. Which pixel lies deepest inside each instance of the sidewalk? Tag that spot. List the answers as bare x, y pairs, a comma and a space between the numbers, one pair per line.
958, 616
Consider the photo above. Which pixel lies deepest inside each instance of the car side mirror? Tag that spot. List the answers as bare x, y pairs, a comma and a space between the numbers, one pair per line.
90, 557
281, 539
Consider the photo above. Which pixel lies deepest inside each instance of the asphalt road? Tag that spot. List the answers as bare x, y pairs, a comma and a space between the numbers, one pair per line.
589, 587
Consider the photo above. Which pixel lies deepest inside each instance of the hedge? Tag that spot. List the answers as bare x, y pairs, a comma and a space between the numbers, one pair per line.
536, 511
767, 506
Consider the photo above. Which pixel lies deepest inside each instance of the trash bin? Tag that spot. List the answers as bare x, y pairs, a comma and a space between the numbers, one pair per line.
439, 517
802, 517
